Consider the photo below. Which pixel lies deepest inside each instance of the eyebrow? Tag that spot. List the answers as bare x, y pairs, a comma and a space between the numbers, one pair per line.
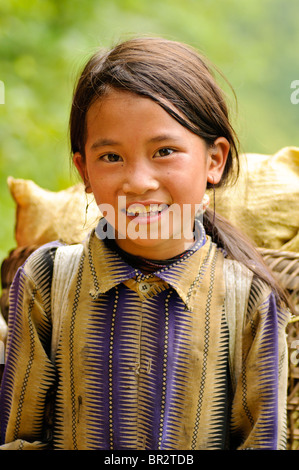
103, 142
163, 137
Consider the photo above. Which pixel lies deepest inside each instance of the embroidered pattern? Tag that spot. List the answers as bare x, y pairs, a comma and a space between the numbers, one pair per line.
205, 352
28, 368
110, 378
141, 368
164, 371
71, 349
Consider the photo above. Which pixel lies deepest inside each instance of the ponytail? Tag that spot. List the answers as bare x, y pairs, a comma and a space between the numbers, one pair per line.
238, 247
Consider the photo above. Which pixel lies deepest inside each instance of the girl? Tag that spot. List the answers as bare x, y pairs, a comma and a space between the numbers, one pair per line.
158, 331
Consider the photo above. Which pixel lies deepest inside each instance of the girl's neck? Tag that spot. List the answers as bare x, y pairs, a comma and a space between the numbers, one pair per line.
146, 264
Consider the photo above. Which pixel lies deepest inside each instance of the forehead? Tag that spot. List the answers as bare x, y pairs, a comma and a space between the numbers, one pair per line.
115, 100
123, 112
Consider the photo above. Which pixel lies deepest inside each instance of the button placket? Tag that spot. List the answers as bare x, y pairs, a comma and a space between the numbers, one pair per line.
144, 287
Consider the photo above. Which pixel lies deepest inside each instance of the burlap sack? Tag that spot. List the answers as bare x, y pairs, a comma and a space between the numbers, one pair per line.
264, 203
43, 216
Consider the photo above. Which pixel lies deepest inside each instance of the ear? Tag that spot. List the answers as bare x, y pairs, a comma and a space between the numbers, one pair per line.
217, 159
80, 164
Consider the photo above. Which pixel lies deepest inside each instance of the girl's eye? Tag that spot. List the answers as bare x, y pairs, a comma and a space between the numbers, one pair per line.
111, 158
164, 152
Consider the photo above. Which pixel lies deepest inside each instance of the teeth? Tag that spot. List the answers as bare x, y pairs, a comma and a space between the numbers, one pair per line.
138, 209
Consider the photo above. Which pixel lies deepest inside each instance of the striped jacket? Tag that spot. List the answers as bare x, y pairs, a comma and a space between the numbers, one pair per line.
101, 356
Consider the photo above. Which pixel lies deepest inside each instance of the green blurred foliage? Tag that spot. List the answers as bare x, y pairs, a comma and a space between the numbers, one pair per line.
44, 43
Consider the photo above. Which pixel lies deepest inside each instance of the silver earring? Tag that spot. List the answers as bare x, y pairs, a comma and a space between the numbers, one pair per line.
205, 202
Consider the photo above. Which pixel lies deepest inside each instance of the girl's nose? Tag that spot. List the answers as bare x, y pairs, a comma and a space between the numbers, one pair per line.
139, 180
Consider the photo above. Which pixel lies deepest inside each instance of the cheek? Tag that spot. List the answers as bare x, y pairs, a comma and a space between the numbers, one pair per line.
188, 188
100, 191
104, 192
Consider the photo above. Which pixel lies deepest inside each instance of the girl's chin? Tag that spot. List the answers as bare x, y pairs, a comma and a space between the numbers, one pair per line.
154, 248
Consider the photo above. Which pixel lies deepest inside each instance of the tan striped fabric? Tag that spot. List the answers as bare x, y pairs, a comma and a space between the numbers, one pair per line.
190, 357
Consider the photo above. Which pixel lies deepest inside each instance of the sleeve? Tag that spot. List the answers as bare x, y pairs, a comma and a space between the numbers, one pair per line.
29, 376
259, 416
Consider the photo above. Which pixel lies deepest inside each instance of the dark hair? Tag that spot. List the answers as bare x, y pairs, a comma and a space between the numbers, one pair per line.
170, 73
180, 80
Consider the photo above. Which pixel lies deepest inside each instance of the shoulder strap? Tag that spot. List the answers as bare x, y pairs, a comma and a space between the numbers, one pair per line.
238, 281
66, 262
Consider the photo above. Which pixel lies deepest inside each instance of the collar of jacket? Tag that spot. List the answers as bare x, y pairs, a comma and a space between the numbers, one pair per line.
108, 269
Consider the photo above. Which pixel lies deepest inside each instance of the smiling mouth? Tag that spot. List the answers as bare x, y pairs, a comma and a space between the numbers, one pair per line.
148, 210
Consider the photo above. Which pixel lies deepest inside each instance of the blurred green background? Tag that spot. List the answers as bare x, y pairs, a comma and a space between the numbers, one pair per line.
44, 43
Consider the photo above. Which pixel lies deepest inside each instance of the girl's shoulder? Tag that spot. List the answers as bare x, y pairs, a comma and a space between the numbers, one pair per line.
39, 264
244, 287
248, 293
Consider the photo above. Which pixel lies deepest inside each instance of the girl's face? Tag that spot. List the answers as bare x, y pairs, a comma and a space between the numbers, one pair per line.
147, 172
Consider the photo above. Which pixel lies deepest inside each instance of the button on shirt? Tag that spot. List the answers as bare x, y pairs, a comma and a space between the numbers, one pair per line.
142, 360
